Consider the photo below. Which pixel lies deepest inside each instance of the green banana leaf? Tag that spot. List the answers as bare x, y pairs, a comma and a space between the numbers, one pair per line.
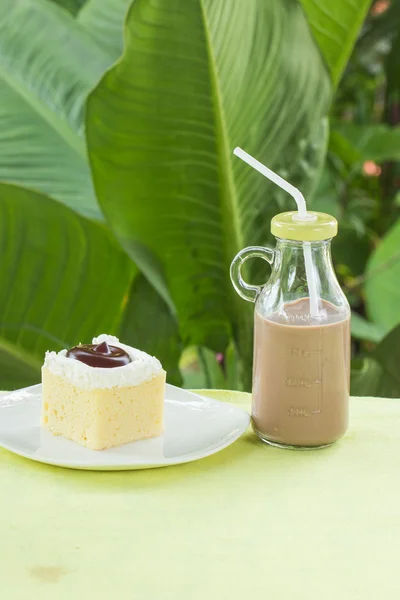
103, 20
362, 329
196, 79
149, 325
371, 142
73, 6
366, 376
63, 279
48, 64
382, 291
43, 87
176, 163
378, 374
335, 25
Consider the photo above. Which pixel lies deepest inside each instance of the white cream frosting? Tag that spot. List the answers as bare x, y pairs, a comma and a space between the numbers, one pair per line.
142, 368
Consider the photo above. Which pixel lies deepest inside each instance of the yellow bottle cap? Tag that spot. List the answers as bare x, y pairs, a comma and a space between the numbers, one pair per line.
320, 226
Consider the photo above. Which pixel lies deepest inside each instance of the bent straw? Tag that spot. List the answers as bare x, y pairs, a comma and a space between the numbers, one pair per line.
302, 216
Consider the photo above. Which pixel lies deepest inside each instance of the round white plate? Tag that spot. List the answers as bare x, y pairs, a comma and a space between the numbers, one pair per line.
195, 427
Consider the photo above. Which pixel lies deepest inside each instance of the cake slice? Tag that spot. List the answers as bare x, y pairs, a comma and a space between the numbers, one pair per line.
103, 395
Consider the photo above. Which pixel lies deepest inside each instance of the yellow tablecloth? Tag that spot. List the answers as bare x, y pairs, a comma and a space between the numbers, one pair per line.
251, 521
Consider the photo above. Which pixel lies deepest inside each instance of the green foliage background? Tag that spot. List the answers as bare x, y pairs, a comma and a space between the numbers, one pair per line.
122, 206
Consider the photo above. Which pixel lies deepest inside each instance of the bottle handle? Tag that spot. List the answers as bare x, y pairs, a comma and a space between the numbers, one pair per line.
246, 291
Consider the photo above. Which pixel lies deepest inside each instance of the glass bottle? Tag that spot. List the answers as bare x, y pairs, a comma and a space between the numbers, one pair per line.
301, 365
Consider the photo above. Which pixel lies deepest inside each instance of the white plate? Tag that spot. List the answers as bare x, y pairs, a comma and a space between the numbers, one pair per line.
195, 427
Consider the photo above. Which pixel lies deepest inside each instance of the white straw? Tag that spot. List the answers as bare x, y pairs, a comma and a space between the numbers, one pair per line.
312, 287
288, 187
302, 216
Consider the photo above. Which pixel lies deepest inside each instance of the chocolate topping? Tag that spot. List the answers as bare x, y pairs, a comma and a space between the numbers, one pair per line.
100, 355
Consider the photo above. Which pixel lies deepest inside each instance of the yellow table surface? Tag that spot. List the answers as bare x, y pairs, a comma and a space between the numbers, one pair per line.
251, 521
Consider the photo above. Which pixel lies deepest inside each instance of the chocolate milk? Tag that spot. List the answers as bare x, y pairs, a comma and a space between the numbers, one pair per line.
301, 376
